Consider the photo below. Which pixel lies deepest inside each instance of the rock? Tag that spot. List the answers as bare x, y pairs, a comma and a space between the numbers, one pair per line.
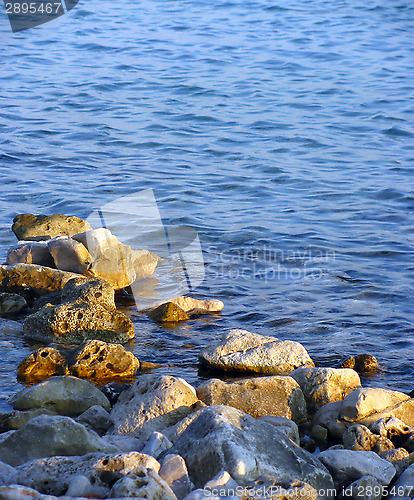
403, 488
357, 437
363, 363
55, 474
101, 361
284, 425
38, 279
221, 484
96, 419
45, 227
327, 417
243, 351
8, 474
144, 263
11, 303
324, 385
347, 466
403, 411
280, 489
201, 494
153, 403
113, 390
379, 444
174, 472
366, 401
143, 483
168, 313
17, 492
391, 427
42, 364
46, 436
365, 488
189, 304
156, 444
17, 419
87, 311
80, 486
125, 443
70, 255
224, 438
113, 261
30, 252
277, 395
65, 395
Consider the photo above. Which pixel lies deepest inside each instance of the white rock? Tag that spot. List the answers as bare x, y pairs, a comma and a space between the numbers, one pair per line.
144, 483
221, 484
240, 350
174, 471
189, 304
17, 492
324, 385
153, 403
347, 465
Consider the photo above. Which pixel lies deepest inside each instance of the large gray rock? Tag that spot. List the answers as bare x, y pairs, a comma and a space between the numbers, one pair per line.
54, 475
65, 395
39, 279
30, 252
240, 350
87, 311
15, 419
277, 395
142, 483
403, 488
365, 488
45, 227
101, 361
324, 385
48, 435
8, 474
346, 466
153, 403
224, 438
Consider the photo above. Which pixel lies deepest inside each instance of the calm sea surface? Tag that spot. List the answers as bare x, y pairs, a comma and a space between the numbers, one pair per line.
281, 132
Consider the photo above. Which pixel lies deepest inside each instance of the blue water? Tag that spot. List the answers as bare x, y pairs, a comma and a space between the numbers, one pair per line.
282, 132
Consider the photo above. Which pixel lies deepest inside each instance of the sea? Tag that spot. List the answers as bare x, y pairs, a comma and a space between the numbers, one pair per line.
279, 134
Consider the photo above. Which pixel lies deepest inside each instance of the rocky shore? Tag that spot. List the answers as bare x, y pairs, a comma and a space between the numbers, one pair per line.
94, 422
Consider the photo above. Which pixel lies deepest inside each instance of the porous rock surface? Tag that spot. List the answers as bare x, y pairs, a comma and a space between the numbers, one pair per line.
87, 311
45, 227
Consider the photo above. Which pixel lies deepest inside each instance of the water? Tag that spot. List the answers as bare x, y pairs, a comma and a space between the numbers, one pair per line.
283, 133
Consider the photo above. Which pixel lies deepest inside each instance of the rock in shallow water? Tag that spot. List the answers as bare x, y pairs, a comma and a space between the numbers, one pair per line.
42, 364
168, 313
240, 350
65, 395
224, 438
11, 303
87, 311
277, 395
45, 227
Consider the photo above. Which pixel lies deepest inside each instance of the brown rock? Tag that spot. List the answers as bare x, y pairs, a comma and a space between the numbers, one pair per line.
363, 363
45, 227
42, 364
168, 313
70, 255
101, 361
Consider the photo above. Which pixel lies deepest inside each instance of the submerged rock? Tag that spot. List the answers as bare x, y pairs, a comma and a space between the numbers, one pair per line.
87, 311
11, 303
42, 364
278, 395
46, 436
45, 227
240, 350
168, 313
324, 385
153, 403
101, 361
224, 438
65, 395
363, 363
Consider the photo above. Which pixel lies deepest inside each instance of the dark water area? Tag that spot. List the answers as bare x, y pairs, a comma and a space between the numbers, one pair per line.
281, 132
